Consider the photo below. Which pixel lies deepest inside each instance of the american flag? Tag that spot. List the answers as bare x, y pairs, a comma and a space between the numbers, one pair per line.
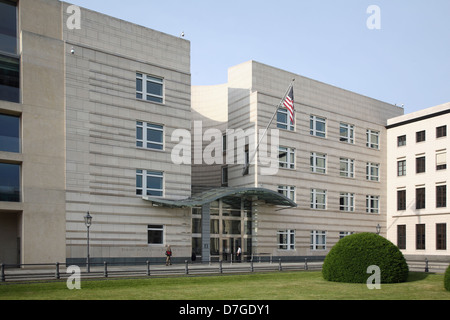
289, 104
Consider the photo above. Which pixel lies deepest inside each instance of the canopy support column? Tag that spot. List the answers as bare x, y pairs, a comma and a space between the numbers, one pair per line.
206, 232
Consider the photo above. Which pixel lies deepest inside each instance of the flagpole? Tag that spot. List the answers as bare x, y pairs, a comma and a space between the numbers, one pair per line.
268, 126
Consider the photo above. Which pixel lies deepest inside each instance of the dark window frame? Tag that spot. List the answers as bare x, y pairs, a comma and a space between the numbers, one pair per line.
401, 168
401, 236
441, 131
401, 200
421, 136
10, 182
401, 141
441, 196
441, 236
420, 198
420, 236
155, 234
420, 164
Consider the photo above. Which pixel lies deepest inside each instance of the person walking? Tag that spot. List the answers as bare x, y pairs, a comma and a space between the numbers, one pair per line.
238, 254
168, 256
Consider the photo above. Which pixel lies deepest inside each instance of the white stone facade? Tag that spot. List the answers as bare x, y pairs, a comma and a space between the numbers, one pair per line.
417, 159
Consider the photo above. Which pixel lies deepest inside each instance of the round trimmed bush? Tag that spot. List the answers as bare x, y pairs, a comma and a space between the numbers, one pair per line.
349, 259
447, 279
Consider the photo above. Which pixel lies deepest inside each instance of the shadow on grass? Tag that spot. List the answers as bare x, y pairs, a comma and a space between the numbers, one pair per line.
417, 276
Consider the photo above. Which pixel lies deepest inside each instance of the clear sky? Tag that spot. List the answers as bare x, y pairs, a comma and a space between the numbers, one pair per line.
406, 61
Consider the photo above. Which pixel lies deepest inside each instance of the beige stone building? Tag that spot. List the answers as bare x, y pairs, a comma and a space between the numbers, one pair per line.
418, 212
332, 160
88, 104
32, 139
91, 112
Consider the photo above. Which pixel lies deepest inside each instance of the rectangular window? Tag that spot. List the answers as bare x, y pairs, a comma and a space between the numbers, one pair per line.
441, 160
9, 58
347, 202
196, 225
9, 133
373, 139
401, 200
401, 168
420, 198
287, 191
149, 88
225, 176
401, 236
9, 182
420, 237
347, 133
149, 183
318, 240
231, 227
286, 158
317, 126
8, 27
9, 79
401, 141
155, 234
318, 162
284, 121
149, 135
343, 234
441, 132
420, 136
224, 142
420, 164
372, 204
318, 199
347, 168
441, 196
286, 240
441, 236
373, 171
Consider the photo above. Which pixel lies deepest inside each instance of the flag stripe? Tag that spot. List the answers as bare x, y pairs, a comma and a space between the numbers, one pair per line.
289, 104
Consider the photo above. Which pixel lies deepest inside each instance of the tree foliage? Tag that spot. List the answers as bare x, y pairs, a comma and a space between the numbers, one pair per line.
349, 259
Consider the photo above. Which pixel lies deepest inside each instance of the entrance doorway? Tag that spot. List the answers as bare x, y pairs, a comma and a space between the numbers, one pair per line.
229, 248
230, 228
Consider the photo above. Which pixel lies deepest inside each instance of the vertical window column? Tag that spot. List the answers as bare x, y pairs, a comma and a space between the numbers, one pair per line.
9, 57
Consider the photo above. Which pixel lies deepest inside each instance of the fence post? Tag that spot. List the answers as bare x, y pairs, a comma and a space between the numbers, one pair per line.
105, 273
251, 266
57, 275
220, 266
426, 265
279, 265
3, 278
148, 268
187, 267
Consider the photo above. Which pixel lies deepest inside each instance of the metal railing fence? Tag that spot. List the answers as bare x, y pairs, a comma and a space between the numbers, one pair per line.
59, 271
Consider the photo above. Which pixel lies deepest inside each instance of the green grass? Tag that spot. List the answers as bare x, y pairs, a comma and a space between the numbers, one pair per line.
258, 286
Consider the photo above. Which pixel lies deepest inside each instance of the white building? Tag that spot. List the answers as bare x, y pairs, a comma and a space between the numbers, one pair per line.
418, 211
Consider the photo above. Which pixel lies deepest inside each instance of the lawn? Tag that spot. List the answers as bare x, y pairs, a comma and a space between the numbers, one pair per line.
258, 286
